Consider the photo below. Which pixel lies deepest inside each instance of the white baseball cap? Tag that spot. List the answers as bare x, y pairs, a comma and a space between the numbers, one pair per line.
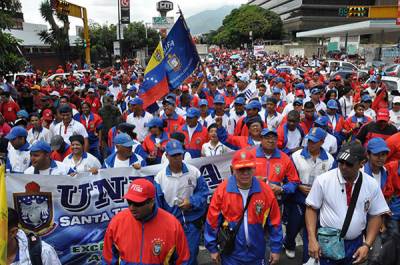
396, 99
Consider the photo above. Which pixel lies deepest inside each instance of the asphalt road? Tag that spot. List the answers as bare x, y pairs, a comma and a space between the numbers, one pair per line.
204, 258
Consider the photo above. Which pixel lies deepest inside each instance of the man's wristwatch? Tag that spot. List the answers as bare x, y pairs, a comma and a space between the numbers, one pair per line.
367, 245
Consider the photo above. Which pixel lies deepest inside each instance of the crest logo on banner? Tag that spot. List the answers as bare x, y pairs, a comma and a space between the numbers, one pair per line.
174, 62
35, 208
211, 175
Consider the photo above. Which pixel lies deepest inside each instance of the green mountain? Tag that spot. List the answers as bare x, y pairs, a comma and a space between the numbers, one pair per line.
208, 20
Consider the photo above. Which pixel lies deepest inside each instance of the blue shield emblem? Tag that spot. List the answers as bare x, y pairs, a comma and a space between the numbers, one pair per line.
35, 209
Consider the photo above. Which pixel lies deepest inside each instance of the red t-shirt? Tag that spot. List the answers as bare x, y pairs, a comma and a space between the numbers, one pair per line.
9, 110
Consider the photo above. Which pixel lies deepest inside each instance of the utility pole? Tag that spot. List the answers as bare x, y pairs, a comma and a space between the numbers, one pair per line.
119, 29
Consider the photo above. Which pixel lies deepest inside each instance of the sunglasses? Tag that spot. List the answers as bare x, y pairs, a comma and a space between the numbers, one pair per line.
348, 164
138, 204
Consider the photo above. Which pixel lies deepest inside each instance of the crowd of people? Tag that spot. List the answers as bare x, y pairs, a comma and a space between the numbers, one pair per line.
304, 138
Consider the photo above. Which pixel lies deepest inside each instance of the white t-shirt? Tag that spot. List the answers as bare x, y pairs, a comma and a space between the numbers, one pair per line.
83, 165
328, 194
395, 118
191, 131
295, 139
208, 150
245, 194
120, 163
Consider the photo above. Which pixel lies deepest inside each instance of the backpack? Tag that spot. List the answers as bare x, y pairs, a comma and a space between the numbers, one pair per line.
389, 254
35, 249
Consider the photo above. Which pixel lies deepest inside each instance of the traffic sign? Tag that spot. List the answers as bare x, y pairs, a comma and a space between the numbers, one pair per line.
162, 22
343, 12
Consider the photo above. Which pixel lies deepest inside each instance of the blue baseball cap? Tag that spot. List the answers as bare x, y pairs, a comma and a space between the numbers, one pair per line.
136, 101
254, 104
377, 145
169, 101
203, 102
322, 121
300, 86
15, 132
332, 104
240, 101
276, 90
280, 80
373, 79
23, 113
316, 134
124, 140
219, 99
193, 113
298, 101
315, 90
155, 122
366, 98
264, 100
174, 147
267, 131
40, 146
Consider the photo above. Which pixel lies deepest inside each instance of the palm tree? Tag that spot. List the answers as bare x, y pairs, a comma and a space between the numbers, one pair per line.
56, 36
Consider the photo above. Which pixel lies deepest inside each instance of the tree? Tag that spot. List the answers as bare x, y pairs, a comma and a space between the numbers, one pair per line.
57, 36
135, 38
101, 42
236, 26
11, 59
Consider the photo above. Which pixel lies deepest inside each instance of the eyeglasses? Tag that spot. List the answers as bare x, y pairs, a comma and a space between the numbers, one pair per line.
138, 204
348, 164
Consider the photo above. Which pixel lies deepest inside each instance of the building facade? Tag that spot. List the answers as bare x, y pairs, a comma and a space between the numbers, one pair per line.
302, 15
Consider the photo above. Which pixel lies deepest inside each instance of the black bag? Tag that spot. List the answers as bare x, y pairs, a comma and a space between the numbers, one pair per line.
35, 249
227, 236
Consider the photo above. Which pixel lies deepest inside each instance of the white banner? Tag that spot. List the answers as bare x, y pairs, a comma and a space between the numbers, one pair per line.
72, 213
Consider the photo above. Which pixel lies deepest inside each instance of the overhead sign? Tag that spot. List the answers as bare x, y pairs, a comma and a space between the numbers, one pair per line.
125, 11
162, 22
116, 47
165, 6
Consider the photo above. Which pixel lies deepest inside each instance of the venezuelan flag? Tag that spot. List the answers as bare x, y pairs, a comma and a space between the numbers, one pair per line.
3, 217
155, 84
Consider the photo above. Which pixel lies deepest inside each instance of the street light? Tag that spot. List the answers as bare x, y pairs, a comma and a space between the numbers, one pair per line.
147, 42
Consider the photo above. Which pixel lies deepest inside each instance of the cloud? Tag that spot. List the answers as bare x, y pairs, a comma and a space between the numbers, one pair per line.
106, 11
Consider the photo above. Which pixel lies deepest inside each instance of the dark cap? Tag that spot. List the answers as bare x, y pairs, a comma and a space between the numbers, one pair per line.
351, 152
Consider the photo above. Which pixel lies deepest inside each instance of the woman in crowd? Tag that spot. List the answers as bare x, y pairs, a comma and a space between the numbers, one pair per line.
80, 161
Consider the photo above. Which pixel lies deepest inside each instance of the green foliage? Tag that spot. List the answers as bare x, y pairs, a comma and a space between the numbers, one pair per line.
56, 36
236, 26
135, 38
103, 36
11, 59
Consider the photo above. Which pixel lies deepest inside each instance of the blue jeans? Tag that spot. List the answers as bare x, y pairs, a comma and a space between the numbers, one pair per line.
193, 237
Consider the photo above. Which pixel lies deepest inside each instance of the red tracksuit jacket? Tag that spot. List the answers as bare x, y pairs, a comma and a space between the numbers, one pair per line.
159, 240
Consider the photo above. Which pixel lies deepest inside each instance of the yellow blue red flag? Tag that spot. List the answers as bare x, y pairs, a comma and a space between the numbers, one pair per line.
155, 84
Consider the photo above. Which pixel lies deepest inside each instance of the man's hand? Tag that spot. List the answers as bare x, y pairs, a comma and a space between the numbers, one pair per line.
276, 189
304, 189
314, 250
137, 166
218, 121
215, 258
185, 205
274, 258
94, 170
361, 254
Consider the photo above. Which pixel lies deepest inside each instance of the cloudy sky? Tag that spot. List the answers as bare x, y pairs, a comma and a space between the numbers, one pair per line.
105, 11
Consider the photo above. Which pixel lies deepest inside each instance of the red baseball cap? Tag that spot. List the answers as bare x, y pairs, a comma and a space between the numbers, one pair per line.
47, 115
230, 83
140, 190
185, 88
299, 93
243, 158
382, 115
